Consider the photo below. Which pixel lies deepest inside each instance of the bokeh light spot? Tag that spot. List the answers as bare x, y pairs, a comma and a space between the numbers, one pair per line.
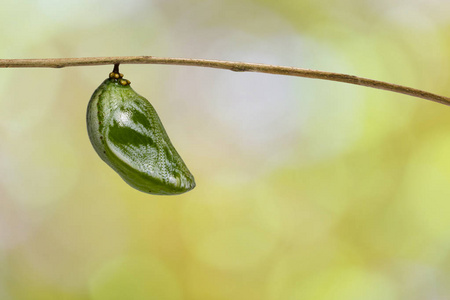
135, 278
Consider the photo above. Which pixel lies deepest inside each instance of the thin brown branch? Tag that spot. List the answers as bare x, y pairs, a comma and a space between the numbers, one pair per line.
228, 65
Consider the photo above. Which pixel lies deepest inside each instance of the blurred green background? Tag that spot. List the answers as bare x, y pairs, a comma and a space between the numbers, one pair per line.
306, 189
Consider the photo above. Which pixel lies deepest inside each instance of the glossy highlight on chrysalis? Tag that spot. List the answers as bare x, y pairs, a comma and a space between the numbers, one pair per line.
128, 135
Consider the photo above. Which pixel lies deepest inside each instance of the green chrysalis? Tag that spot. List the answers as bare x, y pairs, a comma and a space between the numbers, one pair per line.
128, 135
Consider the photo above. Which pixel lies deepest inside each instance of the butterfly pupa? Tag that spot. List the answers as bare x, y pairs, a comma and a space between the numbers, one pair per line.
128, 135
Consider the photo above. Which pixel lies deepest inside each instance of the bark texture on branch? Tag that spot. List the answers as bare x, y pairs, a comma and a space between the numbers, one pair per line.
218, 64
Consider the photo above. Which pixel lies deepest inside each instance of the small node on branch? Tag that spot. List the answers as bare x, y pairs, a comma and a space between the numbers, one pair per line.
239, 69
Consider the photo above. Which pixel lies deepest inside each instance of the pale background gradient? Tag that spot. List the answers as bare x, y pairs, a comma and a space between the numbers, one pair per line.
306, 189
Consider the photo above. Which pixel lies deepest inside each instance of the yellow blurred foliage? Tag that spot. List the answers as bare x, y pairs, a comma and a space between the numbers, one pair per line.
305, 189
